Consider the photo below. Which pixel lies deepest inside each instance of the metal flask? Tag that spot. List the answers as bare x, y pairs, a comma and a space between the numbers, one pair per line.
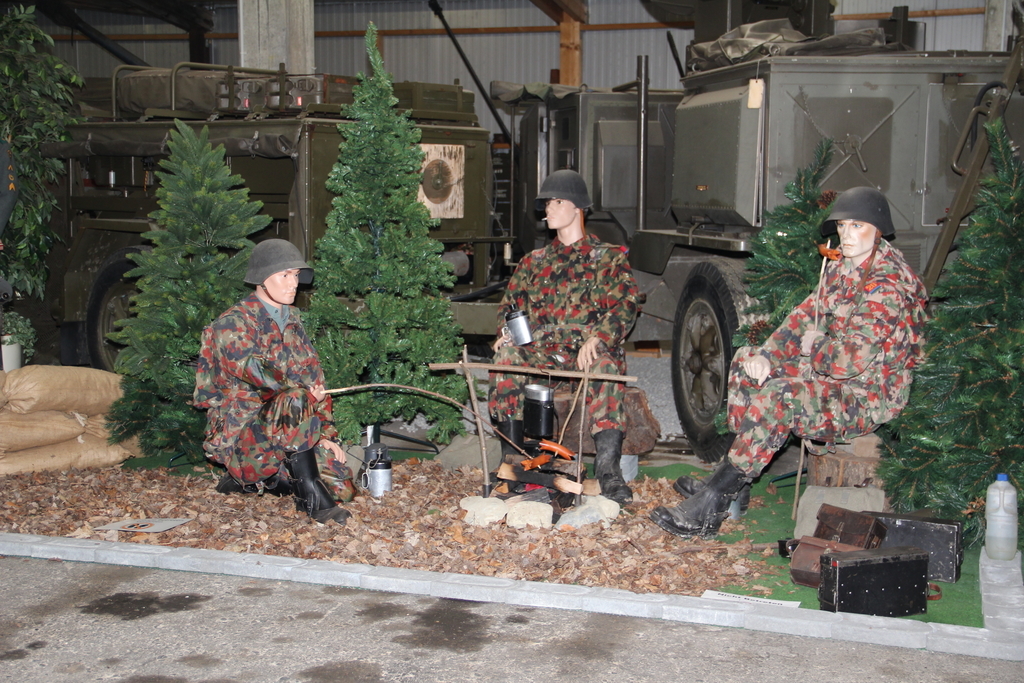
377, 477
539, 411
518, 327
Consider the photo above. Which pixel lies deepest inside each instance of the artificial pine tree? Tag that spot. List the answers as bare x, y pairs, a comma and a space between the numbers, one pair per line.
965, 420
192, 274
784, 266
378, 256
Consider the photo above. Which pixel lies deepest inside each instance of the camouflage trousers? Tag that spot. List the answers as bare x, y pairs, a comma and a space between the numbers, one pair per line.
261, 450
793, 400
605, 409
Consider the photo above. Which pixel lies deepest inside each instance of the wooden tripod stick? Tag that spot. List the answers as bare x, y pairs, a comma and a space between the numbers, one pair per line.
479, 425
527, 370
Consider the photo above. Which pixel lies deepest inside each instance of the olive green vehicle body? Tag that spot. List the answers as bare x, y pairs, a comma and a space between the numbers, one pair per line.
284, 160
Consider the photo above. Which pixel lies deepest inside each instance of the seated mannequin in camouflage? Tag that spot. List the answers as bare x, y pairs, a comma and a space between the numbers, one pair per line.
830, 382
580, 298
269, 418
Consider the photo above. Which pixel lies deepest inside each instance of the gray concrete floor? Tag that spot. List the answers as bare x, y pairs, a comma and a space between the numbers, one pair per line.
67, 621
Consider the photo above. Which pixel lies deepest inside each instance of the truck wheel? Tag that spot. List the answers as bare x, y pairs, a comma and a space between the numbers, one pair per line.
706, 320
109, 303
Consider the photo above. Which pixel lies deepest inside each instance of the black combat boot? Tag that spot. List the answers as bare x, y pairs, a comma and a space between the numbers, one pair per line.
311, 494
686, 486
607, 467
702, 513
513, 429
275, 484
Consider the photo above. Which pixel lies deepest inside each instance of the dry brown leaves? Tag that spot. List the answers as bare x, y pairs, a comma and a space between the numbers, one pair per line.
416, 526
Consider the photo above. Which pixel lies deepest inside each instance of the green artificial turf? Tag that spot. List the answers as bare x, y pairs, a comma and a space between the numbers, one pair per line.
960, 603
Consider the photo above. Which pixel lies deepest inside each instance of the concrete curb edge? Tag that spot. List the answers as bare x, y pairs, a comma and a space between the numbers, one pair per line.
1003, 639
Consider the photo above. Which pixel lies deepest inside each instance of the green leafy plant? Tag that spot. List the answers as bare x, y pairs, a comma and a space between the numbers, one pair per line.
377, 254
18, 330
35, 108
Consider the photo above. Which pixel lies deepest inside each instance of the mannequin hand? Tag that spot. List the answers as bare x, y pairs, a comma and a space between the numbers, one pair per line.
757, 368
337, 452
318, 393
504, 340
807, 341
587, 353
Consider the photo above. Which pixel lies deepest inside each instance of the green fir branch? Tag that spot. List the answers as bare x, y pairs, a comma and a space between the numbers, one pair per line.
377, 315
965, 420
192, 274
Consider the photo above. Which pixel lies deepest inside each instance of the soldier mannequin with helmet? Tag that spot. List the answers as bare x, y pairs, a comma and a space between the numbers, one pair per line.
838, 366
580, 298
269, 418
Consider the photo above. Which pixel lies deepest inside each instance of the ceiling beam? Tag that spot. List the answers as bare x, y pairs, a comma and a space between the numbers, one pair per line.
559, 10
61, 14
182, 14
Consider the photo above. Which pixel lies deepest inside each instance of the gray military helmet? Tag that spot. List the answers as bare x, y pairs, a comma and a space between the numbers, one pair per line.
273, 256
564, 184
860, 204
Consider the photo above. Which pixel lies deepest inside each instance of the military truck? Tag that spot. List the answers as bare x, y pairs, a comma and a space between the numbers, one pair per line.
281, 134
718, 155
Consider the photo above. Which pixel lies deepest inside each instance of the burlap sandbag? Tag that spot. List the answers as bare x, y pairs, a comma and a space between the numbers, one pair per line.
97, 426
51, 387
18, 432
3, 396
83, 451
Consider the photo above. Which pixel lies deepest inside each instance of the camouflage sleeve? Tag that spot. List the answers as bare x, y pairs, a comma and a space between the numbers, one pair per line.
516, 291
314, 373
618, 300
206, 394
237, 346
867, 328
784, 344
325, 411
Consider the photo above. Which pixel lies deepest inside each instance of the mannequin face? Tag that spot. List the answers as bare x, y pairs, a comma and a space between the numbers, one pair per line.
560, 213
857, 239
279, 289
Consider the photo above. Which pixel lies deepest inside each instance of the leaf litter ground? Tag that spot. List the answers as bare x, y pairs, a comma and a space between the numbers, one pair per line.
418, 525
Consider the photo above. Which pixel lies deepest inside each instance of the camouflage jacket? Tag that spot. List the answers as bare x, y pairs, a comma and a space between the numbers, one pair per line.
225, 388
873, 337
571, 293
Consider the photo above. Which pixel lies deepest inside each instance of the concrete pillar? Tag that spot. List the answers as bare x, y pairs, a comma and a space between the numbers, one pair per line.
275, 31
998, 24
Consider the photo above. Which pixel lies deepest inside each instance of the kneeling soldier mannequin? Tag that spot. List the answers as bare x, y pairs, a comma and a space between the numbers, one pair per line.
831, 383
581, 300
269, 418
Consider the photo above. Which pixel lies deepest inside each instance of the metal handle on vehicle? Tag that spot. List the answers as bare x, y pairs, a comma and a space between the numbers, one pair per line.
959, 170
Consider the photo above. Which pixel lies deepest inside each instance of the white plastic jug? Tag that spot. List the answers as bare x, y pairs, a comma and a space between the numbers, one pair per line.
1001, 519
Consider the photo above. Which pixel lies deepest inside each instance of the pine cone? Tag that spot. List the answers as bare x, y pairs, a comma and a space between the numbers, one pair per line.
756, 331
826, 198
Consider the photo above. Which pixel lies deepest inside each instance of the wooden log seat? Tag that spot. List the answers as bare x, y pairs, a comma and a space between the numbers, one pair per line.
852, 464
642, 428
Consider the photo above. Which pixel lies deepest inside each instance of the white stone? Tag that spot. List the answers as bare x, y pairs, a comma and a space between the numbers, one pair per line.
529, 513
609, 508
581, 516
483, 511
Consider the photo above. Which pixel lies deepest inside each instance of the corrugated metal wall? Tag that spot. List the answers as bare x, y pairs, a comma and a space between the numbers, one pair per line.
609, 56
941, 33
